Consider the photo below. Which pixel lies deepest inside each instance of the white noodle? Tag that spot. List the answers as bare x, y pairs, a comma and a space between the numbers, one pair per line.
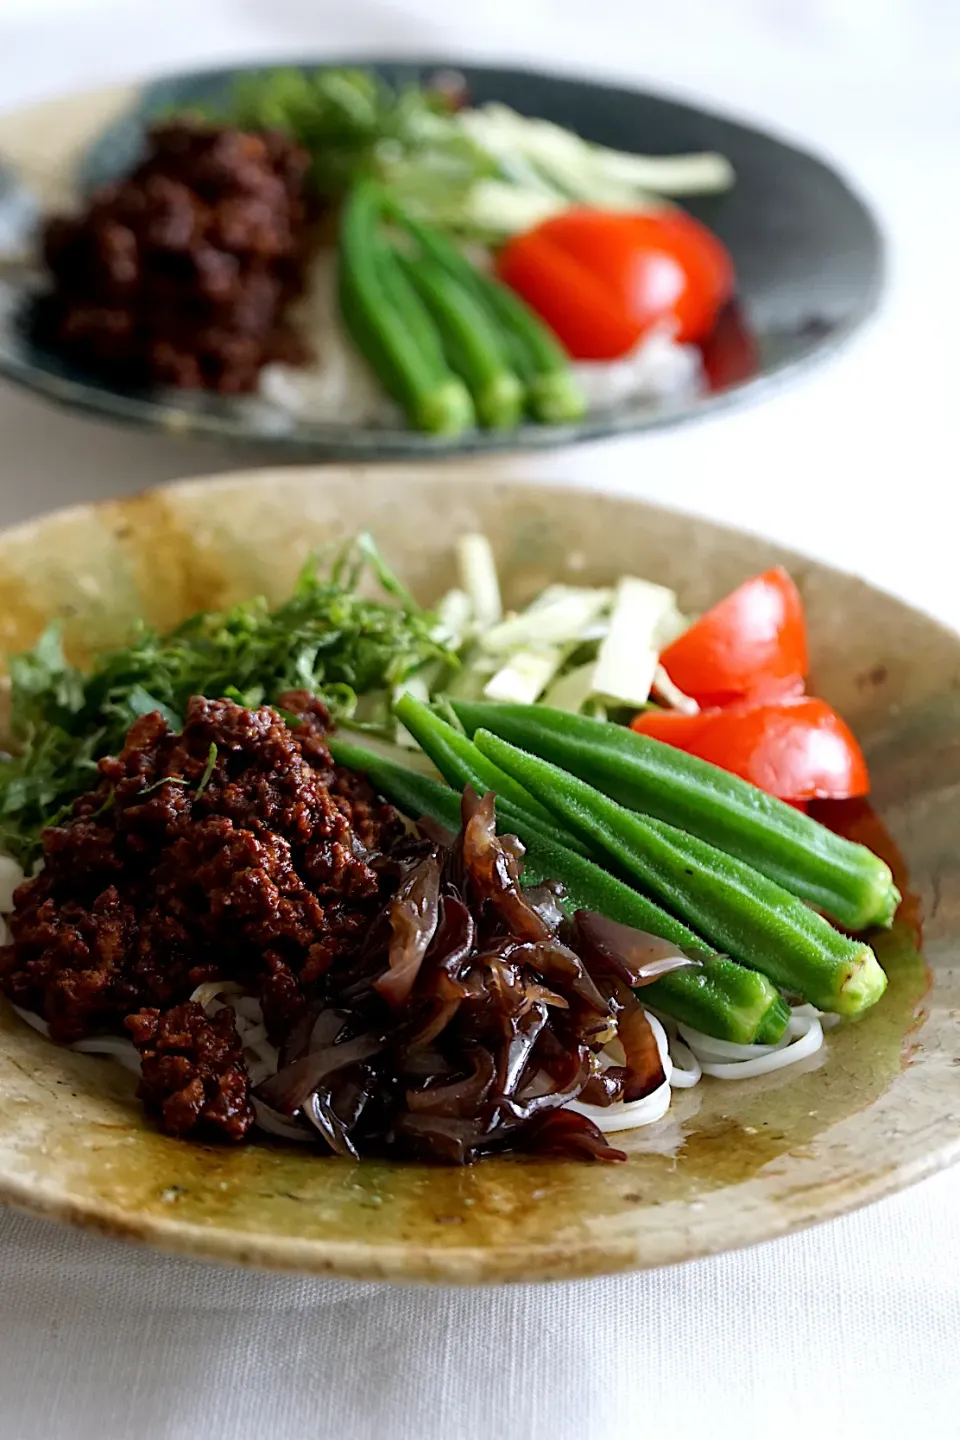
688, 1054
11, 875
262, 1059
686, 1074
803, 1037
115, 1046
630, 1115
34, 1021
708, 1047
248, 1006
212, 990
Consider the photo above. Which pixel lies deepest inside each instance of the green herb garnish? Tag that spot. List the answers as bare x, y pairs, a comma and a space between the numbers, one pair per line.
327, 638
353, 123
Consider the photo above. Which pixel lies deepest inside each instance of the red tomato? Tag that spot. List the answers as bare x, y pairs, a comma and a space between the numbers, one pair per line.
797, 748
754, 643
585, 315
602, 278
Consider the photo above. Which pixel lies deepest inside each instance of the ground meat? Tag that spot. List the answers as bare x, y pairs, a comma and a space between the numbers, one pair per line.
193, 1076
180, 273
227, 851
375, 823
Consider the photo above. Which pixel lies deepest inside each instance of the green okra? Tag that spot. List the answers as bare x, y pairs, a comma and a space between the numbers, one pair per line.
843, 879
471, 342
740, 911
390, 325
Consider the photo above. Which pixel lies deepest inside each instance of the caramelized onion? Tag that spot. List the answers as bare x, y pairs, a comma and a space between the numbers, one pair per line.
474, 1013
563, 1132
494, 869
459, 1097
636, 956
644, 1067
413, 913
288, 1089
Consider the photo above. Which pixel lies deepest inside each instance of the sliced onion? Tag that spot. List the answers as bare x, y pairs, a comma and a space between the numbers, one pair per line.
414, 914
636, 956
461, 1097
288, 1089
320, 1114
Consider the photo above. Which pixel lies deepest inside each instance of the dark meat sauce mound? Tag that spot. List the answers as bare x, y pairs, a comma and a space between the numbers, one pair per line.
422, 1001
180, 273
236, 849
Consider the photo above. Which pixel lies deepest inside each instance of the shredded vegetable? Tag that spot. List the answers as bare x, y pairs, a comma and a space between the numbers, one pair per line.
483, 171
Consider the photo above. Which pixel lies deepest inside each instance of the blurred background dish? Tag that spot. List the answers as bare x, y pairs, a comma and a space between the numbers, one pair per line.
806, 254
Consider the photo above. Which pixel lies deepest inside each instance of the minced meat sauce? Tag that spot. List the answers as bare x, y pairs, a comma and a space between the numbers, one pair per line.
180, 272
233, 849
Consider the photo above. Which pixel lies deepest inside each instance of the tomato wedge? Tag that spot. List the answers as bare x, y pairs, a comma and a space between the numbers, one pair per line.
602, 278
752, 644
796, 748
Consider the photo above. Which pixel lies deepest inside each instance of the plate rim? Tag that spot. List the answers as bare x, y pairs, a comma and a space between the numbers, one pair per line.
415, 1262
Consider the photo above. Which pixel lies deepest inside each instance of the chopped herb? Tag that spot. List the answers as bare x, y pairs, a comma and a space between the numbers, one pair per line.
164, 780
327, 638
208, 768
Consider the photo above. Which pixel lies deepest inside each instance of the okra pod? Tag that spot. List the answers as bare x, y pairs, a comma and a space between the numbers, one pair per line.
461, 763
535, 352
739, 910
471, 342
845, 880
390, 325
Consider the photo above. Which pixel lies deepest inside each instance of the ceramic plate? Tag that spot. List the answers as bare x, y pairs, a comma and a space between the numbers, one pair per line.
731, 1164
807, 253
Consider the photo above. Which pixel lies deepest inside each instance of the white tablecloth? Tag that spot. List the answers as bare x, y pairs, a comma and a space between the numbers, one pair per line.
850, 1330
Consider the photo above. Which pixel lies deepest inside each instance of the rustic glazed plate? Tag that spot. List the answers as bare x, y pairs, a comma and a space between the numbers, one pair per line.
807, 253
731, 1164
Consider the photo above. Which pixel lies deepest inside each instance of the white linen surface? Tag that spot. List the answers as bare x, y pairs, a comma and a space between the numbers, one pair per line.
849, 1330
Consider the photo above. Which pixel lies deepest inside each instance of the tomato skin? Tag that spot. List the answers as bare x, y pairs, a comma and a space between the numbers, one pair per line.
796, 748
575, 303
752, 644
602, 278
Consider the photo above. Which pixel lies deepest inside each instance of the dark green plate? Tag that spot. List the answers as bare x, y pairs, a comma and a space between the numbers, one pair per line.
807, 252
